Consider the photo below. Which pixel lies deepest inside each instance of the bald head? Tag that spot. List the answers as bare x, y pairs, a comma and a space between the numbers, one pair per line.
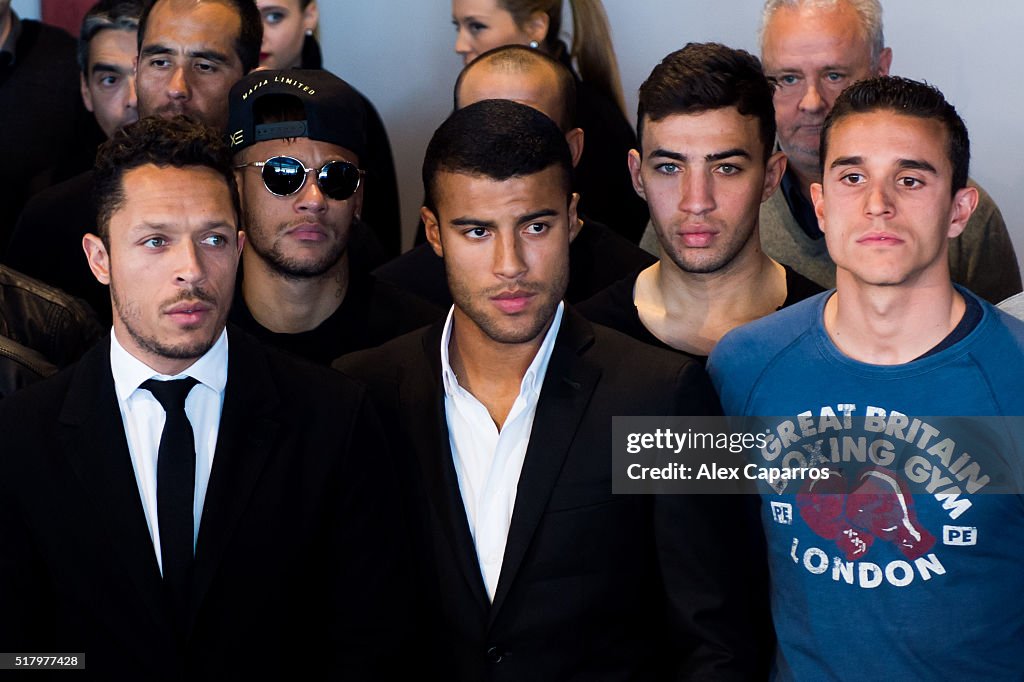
522, 75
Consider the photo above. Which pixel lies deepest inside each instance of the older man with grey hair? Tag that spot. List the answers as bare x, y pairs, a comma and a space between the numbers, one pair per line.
812, 50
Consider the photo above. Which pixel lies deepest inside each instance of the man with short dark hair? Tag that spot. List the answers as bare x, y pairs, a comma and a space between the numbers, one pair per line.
867, 565
107, 47
598, 255
705, 165
183, 503
530, 567
190, 54
298, 137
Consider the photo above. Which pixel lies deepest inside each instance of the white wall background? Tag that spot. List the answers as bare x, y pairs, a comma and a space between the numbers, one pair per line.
399, 53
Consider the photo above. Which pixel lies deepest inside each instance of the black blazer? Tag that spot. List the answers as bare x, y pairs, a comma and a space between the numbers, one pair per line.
594, 586
296, 556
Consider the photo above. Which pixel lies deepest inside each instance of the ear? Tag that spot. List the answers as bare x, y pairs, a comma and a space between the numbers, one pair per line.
773, 172
964, 202
884, 62
310, 17
433, 230
536, 27
818, 198
634, 162
97, 256
575, 224
241, 242
575, 139
86, 94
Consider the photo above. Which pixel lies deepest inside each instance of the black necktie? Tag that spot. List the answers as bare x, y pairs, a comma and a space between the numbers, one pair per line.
175, 486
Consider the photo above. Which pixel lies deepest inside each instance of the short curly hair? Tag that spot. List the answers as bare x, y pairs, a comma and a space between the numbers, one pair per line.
177, 142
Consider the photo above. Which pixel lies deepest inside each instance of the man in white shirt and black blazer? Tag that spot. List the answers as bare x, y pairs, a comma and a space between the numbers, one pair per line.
254, 539
501, 424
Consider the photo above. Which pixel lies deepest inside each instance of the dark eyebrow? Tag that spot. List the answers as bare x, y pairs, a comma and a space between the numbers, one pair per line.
846, 161
472, 222
108, 68
150, 50
209, 55
666, 154
543, 213
728, 154
917, 164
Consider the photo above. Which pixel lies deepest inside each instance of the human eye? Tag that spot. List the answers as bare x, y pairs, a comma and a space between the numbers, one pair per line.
476, 232
205, 67
835, 77
728, 169
274, 16
537, 228
217, 240
910, 182
476, 27
851, 178
108, 81
667, 168
159, 62
785, 80
154, 242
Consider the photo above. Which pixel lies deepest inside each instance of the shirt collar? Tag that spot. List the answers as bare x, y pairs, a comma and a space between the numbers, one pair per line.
8, 51
534, 377
211, 369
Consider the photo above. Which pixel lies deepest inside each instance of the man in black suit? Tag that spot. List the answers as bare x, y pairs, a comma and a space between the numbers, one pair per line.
530, 567
245, 530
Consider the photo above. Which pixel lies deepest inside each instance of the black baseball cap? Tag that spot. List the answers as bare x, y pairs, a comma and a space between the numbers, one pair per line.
335, 112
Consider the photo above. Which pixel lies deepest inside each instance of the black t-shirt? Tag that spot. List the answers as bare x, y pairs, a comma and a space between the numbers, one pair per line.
371, 313
614, 308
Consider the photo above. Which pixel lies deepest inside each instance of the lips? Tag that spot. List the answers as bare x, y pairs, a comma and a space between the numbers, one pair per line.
697, 237
880, 239
312, 232
189, 313
512, 302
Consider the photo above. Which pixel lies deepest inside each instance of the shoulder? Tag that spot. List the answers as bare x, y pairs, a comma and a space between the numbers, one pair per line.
387, 361
1013, 306
747, 351
606, 306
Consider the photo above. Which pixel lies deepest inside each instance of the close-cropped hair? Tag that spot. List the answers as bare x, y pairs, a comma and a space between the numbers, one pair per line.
250, 35
707, 76
907, 98
517, 59
179, 142
869, 11
115, 15
496, 139
591, 40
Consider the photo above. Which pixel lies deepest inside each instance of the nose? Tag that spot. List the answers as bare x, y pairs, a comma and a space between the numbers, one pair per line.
131, 98
812, 101
189, 265
697, 193
877, 202
310, 198
462, 45
508, 260
178, 86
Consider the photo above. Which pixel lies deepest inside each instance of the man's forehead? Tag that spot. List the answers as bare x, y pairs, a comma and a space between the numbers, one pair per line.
536, 87
830, 34
112, 44
193, 23
304, 148
888, 134
478, 192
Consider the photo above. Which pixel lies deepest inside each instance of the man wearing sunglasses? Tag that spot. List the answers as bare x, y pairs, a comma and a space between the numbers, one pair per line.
297, 138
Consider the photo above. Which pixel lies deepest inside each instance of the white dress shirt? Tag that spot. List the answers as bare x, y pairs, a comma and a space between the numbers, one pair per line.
488, 463
143, 419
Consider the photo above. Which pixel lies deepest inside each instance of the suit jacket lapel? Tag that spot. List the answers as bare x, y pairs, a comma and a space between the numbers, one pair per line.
247, 432
94, 442
568, 385
422, 402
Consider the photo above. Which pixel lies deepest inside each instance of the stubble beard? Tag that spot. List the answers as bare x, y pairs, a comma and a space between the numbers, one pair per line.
129, 314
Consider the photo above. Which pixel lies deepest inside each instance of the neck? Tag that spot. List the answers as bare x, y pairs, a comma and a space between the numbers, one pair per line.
492, 371
890, 325
291, 305
692, 311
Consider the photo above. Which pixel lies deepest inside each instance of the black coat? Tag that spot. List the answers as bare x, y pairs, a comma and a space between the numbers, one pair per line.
295, 562
593, 586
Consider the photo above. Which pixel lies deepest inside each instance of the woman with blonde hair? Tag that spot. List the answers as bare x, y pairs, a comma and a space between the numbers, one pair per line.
602, 175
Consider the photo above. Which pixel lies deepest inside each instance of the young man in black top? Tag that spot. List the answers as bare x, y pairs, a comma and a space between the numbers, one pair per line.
706, 128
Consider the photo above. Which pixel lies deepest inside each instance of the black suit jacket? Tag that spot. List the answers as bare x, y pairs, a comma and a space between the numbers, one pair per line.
593, 586
294, 574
